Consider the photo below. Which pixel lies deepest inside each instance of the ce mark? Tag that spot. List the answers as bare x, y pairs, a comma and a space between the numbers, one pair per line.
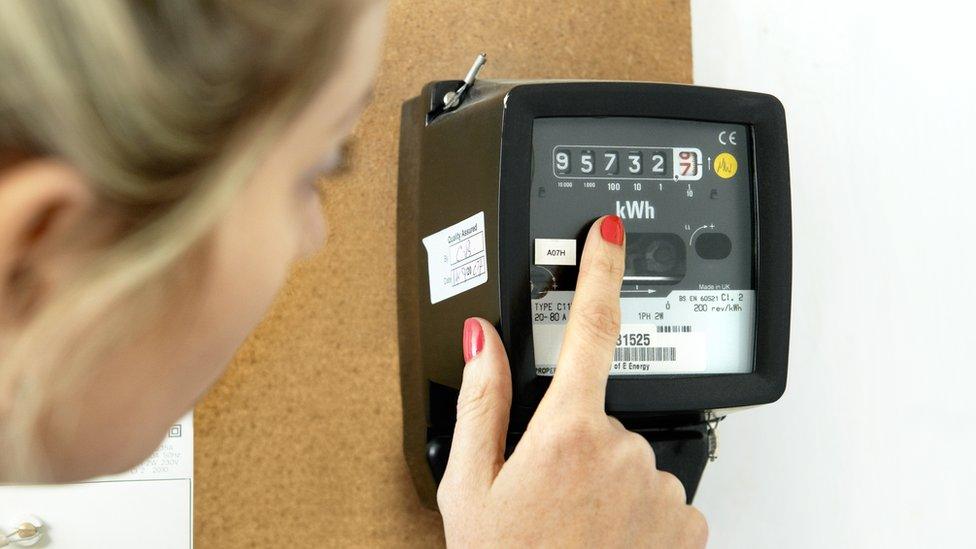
726, 137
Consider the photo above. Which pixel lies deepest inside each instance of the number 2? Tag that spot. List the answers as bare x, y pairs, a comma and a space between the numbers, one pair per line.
658, 161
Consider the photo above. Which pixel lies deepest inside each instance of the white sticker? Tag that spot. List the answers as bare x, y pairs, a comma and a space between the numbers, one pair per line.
658, 349
456, 258
555, 251
642, 349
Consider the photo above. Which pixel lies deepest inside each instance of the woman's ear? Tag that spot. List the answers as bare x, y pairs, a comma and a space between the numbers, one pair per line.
44, 203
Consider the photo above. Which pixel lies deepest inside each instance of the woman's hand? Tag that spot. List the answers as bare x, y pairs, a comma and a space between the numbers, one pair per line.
577, 477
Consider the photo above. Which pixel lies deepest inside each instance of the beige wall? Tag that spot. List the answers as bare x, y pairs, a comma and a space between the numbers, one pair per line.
300, 442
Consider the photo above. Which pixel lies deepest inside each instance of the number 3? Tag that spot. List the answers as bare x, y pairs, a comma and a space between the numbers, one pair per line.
635, 163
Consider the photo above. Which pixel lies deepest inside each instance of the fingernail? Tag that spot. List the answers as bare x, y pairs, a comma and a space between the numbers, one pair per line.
612, 230
473, 339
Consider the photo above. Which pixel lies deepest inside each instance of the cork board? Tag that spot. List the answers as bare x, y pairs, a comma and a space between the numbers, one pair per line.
299, 445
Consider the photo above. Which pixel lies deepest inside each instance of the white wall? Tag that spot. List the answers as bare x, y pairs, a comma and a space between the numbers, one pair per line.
872, 444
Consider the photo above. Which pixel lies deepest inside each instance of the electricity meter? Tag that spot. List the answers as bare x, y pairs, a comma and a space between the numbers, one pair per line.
499, 182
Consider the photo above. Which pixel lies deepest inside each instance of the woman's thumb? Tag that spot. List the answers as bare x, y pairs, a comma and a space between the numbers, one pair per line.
484, 402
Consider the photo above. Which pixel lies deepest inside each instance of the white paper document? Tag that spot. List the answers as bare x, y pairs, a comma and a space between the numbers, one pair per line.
149, 507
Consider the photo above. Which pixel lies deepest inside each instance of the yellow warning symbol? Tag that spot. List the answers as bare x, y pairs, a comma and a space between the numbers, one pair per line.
725, 165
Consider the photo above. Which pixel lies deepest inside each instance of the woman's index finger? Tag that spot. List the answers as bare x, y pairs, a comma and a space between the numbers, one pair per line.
594, 318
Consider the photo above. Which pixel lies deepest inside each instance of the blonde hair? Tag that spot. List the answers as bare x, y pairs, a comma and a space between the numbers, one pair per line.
159, 105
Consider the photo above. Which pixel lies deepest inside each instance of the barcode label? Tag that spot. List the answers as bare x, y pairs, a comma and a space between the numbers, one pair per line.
673, 329
645, 354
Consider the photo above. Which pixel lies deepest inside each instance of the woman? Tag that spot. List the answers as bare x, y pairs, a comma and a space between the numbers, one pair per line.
158, 174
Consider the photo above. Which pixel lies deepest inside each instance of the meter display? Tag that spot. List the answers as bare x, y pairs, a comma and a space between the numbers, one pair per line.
684, 190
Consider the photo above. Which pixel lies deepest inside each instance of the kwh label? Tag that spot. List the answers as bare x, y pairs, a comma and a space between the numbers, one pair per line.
635, 209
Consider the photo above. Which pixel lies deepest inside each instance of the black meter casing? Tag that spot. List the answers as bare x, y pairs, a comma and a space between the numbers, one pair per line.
478, 157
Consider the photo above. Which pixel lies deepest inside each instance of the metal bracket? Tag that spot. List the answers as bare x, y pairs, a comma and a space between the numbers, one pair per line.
711, 423
452, 98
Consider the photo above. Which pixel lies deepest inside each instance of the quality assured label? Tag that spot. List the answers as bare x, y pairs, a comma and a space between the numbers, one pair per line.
456, 258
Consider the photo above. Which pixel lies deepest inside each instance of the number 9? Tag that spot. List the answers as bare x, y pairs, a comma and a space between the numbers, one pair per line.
561, 162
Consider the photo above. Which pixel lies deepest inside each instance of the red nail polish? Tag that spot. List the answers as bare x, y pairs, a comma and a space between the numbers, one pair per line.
473, 339
612, 230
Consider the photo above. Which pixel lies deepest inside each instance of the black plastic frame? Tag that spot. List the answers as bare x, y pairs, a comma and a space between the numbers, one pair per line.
765, 117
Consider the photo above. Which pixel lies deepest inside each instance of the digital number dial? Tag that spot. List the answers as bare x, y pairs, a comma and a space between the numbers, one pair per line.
689, 163
586, 162
662, 163
635, 162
